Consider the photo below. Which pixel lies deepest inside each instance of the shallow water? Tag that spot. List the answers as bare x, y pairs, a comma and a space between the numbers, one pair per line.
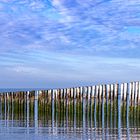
39, 120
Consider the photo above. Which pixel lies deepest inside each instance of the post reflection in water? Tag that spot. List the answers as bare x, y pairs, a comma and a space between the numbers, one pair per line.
74, 114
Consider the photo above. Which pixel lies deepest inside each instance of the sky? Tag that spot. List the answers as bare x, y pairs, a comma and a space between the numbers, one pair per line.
66, 43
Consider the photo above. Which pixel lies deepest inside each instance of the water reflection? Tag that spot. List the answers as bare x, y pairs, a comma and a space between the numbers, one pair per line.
68, 119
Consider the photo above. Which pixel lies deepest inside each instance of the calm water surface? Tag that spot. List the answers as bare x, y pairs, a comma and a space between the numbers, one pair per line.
39, 120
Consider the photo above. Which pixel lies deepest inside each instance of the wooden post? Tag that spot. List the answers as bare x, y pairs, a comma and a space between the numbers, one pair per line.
128, 99
122, 92
0, 105
5, 104
97, 93
104, 92
88, 100
116, 91
108, 94
81, 93
100, 94
92, 97
74, 107
36, 108
130, 93
133, 93
97, 99
103, 101
125, 91
56, 99
52, 105
139, 93
66, 103
27, 98
111, 92
136, 94
64, 100
84, 102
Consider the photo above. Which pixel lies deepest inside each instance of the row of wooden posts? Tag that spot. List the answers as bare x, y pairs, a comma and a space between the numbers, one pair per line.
125, 91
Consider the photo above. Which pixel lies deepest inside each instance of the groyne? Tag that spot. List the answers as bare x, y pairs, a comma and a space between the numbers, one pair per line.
68, 101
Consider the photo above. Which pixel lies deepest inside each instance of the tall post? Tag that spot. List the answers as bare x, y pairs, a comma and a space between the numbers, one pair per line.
138, 93
125, 91
133, 93
122, 92
92, 98
0, 105
128, 100
5, 105
36, 109
52, 101
27, 101
84, 102
130, 94
74, 107
119, 111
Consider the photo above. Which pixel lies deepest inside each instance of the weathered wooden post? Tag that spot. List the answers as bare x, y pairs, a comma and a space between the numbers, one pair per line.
133, 93
125, 91
116, 88
122, 92
103, 101
125, 88
84, 105
121, 99
97, 100
74, 106
36, 108
112, 93
92, 98
81, 93
108, 94
5, 105
71, 103
136, 94
128, 99
52, 105
100, 94
88, 99
81, 100
130, 93
27, 101
12, 105
0, 105
100, 101
64, 101
84, 99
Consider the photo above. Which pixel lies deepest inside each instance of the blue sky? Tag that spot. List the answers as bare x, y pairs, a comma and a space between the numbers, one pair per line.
65, 43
